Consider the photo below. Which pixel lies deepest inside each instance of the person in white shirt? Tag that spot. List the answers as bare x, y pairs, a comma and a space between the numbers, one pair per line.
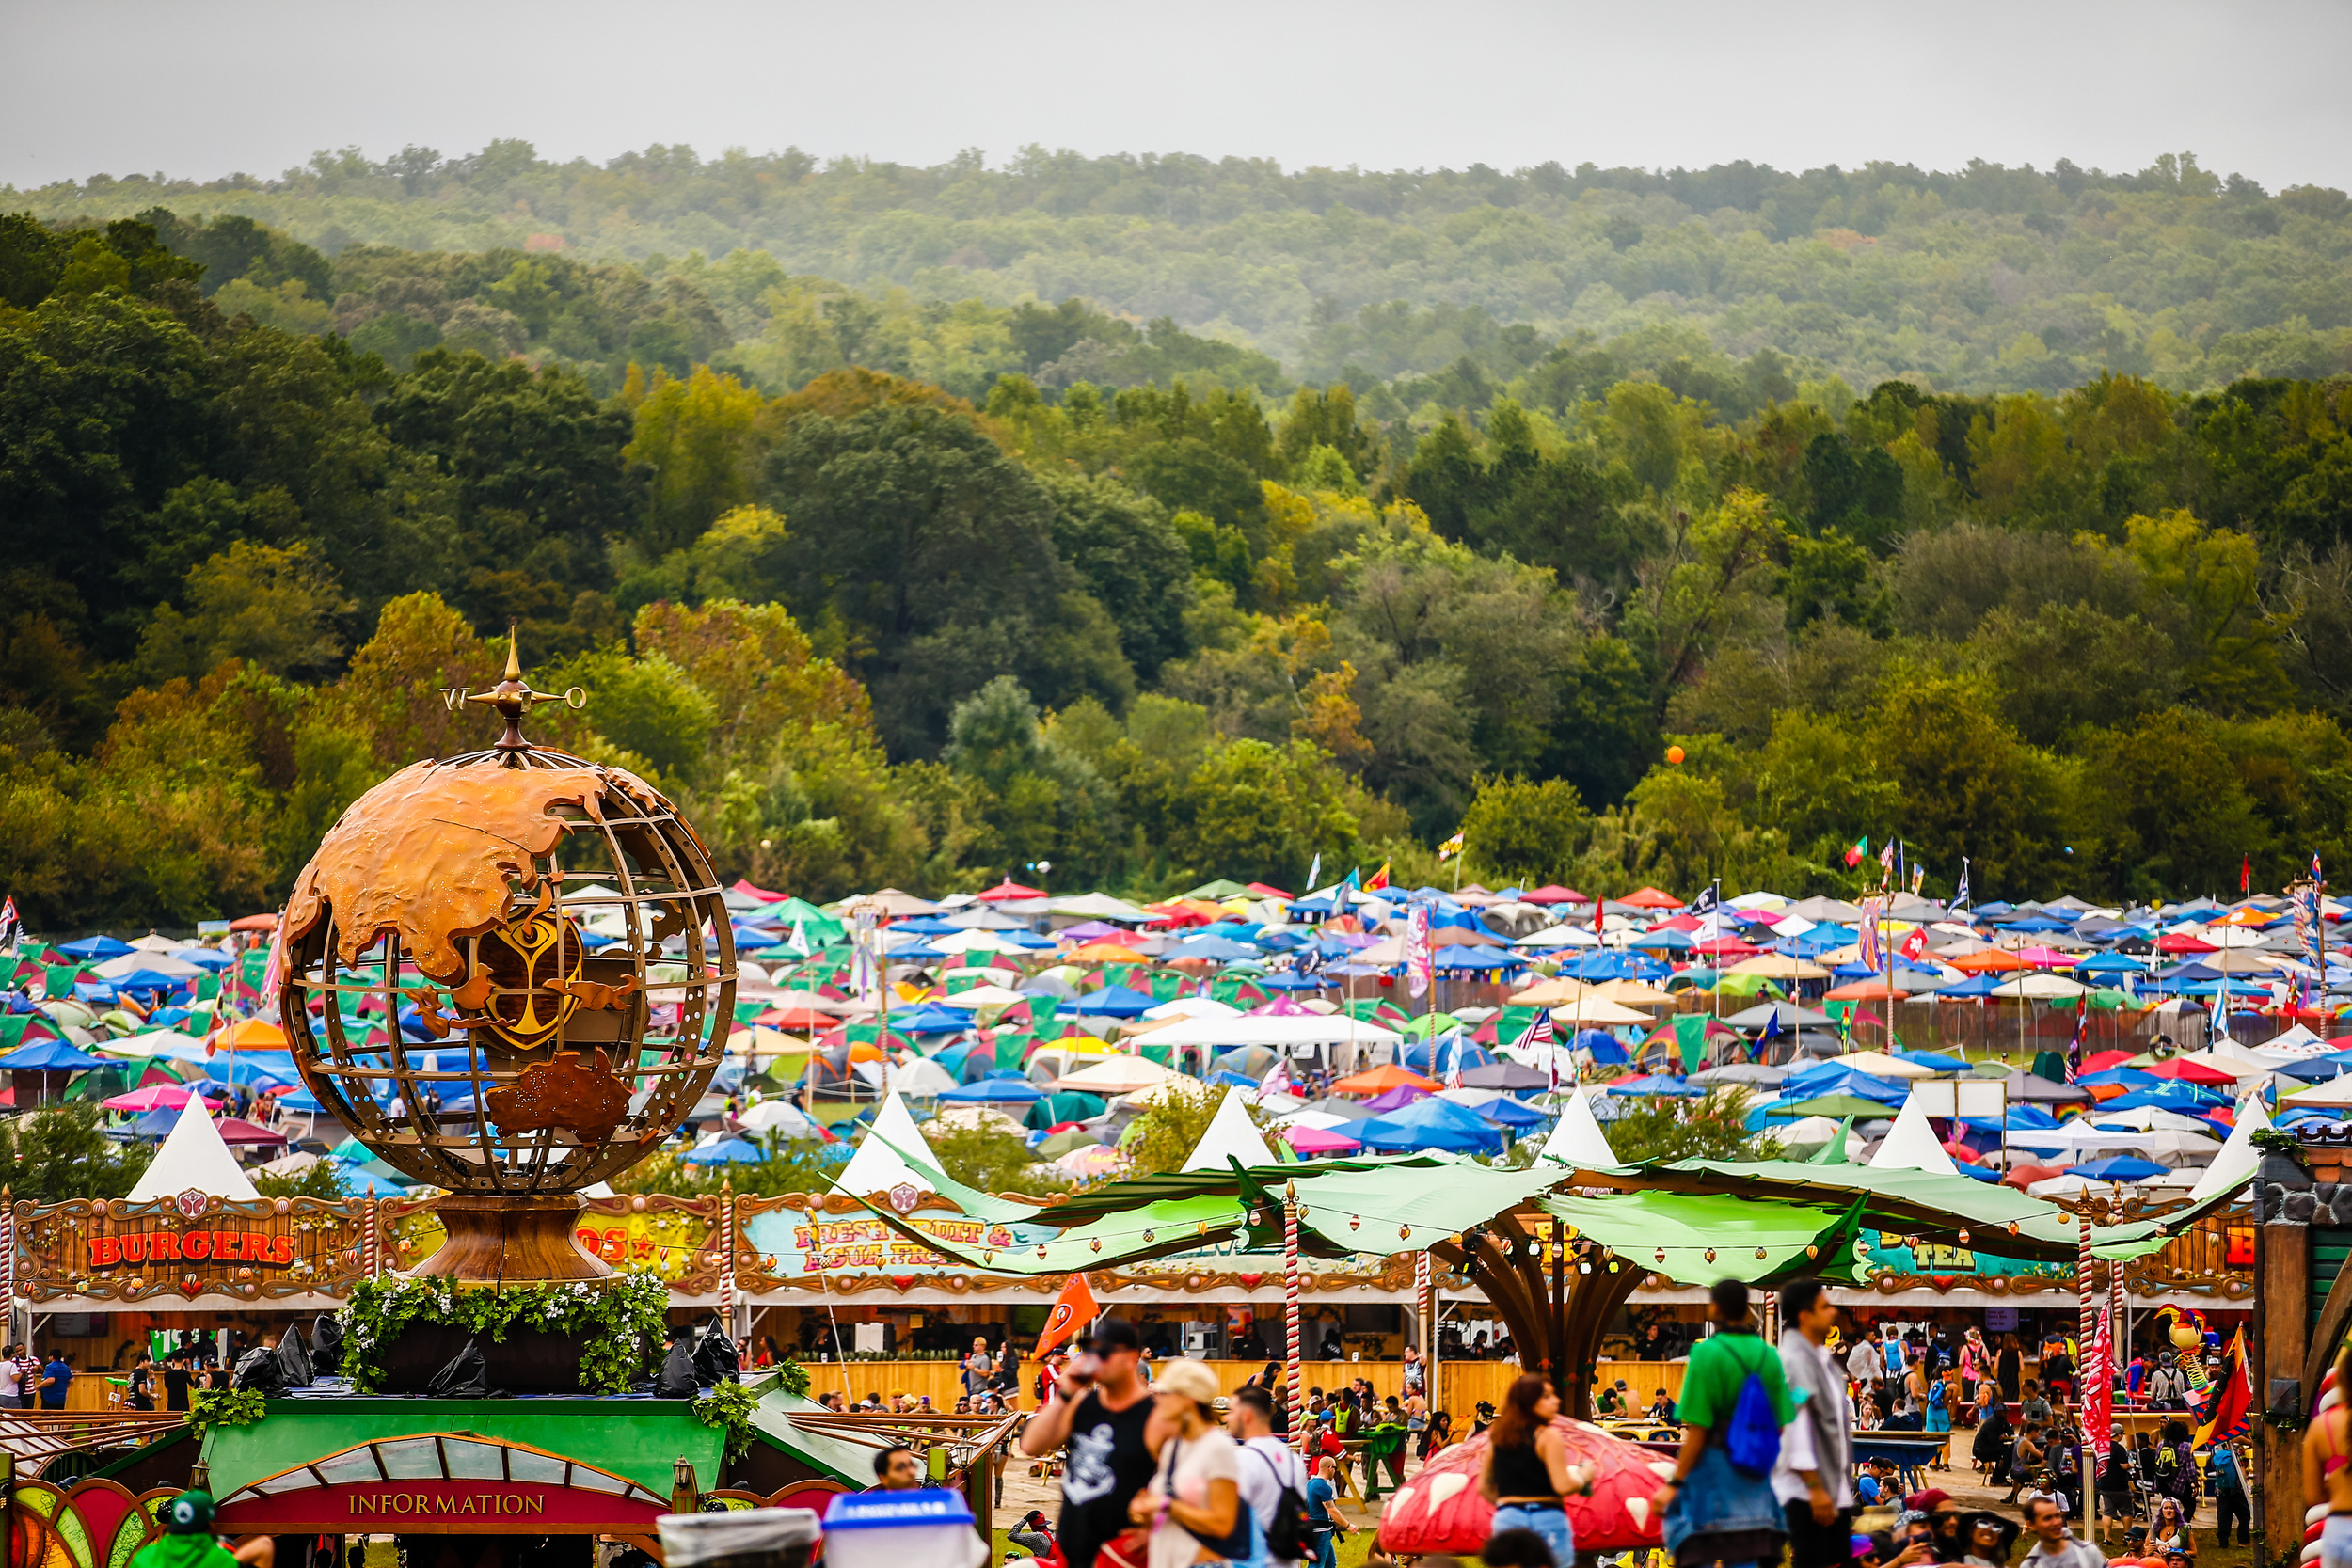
11, 1382
1270, 1468
2054, 1547
1813, 1478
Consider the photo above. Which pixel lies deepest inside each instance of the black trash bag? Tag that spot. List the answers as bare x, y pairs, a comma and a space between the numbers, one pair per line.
715, 1361
293, 1358
466, 1377
260, 1369
327, 1346
678, 1379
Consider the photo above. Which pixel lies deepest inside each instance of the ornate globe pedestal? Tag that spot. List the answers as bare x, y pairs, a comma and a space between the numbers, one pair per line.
511, 973
492, 1240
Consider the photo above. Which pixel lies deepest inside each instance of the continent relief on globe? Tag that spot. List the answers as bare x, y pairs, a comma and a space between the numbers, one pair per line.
433, 854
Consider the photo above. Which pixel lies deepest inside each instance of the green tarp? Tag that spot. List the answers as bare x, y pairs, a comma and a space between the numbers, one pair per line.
641, 1439
1699, 1238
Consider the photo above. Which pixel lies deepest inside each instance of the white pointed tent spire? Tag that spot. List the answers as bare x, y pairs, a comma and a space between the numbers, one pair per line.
2234, 1165
193, 1159
1576, 1138
1230, 1135
875, 1168
1912, 1146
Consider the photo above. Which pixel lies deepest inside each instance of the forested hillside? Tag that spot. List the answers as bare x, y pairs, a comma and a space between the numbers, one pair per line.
888, 591
1986, 279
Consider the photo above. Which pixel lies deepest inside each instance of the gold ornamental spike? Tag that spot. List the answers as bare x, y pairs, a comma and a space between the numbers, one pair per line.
513, 696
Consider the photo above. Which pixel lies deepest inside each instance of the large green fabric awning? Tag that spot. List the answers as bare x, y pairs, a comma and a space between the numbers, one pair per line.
639, 1440
1701, 1238
1392, 1209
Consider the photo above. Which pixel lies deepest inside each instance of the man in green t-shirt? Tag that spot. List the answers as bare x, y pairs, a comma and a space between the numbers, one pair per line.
188, 1542
1713, 1510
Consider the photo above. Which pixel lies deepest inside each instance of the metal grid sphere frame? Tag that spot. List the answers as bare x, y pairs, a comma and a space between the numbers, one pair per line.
663, 1028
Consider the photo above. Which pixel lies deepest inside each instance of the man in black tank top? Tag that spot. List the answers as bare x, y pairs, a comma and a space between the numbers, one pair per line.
1096, 1409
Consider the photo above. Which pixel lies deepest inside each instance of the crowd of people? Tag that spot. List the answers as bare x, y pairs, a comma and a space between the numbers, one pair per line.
1160, 1471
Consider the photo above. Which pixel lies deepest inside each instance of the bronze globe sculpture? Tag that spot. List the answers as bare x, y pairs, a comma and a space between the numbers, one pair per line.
568, 1034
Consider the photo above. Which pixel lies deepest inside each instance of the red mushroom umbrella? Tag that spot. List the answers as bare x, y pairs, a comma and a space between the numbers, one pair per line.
1441, 1509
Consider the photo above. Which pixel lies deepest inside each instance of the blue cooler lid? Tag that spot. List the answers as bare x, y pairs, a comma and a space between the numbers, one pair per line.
896, 1510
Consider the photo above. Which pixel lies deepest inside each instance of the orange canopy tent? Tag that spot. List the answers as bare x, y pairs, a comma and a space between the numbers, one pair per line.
1651, 898
1993, 961
252, 1034
1866, 991
1380, 1079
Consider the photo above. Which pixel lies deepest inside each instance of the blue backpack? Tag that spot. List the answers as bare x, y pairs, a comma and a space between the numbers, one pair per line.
1752, 1440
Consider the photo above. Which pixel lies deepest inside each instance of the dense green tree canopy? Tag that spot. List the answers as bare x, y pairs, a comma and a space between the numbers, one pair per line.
887, 590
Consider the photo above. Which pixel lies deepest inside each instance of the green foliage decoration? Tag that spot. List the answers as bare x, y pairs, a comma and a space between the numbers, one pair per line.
619, 1316
728, 1406
226, 1407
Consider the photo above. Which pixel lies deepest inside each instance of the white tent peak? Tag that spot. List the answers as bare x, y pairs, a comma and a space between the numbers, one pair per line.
194, 1159
1231, 1136
2234, 1165
877, 1167
1576, 1138
1912, 1145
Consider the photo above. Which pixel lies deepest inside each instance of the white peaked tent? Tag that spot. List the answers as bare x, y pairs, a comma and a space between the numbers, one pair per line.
1576, 1138
1231, 1136
2234, 1165
193, 1159
1912, 1145
875, 1168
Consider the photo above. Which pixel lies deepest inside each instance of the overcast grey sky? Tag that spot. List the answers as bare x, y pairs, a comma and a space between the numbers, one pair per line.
203, 90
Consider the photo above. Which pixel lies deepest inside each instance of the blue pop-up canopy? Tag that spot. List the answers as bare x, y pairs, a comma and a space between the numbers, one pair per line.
1430, 1123
50, 1056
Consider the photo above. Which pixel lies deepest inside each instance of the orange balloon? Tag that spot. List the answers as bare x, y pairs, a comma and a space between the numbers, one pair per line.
1674, 755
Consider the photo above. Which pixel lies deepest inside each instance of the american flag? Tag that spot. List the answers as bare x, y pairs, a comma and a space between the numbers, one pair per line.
2075, 1046
1540, 1037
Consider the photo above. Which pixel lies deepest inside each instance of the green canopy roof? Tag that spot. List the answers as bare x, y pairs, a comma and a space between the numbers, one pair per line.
1700, 1238
837, 1457
639, 1440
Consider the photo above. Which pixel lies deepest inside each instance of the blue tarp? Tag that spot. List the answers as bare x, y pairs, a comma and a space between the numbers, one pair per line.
1429, 1123
1113, 1002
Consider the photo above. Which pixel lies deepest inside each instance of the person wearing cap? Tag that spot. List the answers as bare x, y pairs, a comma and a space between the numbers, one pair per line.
188, 1542
1193, 1506
1097, 1410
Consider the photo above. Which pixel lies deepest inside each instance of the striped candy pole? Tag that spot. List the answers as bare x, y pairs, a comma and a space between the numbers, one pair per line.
2086, 1331
2316, 1516
367, 1235
1290, 1312
727, 1258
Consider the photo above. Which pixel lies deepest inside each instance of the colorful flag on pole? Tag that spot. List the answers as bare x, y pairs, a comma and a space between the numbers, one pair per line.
1421, 954
2226, 1411
1378, 879
1314, 872
2098, 1384
1861, 847
1453, 1048
1072, 1311
1540, 1037
2075, 1046
1873, 948
2245, 875
1451, 846
1915, 945
1960, 895
12, 925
